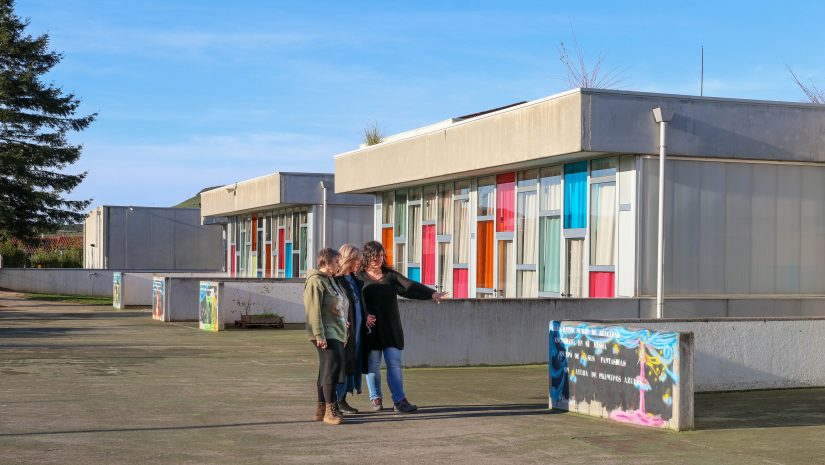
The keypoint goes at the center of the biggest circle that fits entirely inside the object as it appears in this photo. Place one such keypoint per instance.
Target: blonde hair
(349, 254)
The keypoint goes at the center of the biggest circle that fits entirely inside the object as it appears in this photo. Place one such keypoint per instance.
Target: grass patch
(74, 299)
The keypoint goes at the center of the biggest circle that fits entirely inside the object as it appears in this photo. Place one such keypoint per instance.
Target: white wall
(71, 281)
(285, 298)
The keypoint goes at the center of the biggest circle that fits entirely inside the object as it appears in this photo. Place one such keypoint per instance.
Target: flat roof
(581, 123)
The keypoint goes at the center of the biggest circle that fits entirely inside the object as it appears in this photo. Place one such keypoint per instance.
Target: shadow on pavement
(776, 408)
(451, 411)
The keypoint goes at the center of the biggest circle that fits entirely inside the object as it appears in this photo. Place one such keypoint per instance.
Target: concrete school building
(275, 225)
(150, 238)
(558, 197)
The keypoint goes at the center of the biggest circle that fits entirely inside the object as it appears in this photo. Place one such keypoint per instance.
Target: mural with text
(631, 374)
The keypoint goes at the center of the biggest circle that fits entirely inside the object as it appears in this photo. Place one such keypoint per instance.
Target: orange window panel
(386, 241)
(484, 275)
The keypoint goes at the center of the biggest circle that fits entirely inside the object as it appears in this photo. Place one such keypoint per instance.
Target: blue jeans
(392, 357)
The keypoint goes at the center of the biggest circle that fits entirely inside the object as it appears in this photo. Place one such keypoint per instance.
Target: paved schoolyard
(91, 385)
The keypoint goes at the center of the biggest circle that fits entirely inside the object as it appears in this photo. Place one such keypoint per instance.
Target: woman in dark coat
(382, 286)
(356, 322)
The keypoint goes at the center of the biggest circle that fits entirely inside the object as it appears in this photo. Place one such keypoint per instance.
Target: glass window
(527, 213)
(399, 258)
(400, 214)
(429, 203)
(528, 178)
(486, 193)
(304, 255)
(603, 167)
(505, 201)
(549, 250)
(550, 188)
(461, 232)
(387, 201)
(444, 267)
(415, 194)
(526, 283)
(445, 203)
(414, 235)
(575, 195)
(484, 254)
(602, 223)
(386, 242)
(575, 267)
(462, 188)
(505, 264)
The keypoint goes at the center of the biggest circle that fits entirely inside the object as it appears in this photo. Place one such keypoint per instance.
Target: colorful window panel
(386, 241)
(505, 201)
(428, 255)
(484, 255)
(575, 195)
(460, 283)
(602, 284)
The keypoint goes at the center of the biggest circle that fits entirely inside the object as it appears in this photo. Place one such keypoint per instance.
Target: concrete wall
(345, 224)
(136, 289)
(58, 281)
(284, 297)
(281, 296)
(143, 238)
(511, 331)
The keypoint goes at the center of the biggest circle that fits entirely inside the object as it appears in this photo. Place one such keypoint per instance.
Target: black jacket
(381, 298)
(349, 350)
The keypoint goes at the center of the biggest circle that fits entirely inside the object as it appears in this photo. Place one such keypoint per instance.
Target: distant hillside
(195, 201)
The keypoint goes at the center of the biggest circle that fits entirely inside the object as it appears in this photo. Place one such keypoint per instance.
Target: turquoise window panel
(575, 195)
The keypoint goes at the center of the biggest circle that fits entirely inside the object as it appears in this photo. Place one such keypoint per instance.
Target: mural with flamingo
(625, 374)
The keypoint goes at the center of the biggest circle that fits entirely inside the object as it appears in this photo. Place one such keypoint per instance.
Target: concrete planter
(261, 320)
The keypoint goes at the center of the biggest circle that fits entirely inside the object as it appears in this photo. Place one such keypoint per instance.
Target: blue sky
(199, 93)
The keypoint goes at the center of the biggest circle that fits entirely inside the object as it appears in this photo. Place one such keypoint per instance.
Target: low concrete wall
(741, 353)
(77, 281)
(136, 288)
(281, 296)
(70, 281)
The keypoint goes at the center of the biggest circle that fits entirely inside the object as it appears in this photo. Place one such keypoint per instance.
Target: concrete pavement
(91, 385)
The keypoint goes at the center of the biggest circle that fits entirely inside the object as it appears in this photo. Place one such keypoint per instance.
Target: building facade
(559, 198)
(150, 238)
(275, 225)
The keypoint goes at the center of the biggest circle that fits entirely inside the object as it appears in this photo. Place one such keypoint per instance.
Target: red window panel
(268, 261)
(386, 241)
(232, 260)
(602, 284)
(428, 254)
(505, 201)
(281, 249)
(460, 283)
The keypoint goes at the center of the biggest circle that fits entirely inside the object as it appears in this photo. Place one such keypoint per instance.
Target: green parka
(326, 307)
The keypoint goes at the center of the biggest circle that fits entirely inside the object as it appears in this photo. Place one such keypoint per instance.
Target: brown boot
(319, 411)
(330, 417)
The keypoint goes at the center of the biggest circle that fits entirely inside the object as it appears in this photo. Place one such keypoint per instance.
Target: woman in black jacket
(382, 286)
(356, 322)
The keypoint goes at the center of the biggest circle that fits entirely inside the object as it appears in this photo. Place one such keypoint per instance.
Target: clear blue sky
(198, 93)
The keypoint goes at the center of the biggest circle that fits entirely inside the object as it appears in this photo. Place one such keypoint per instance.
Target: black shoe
(403, 406)
(346, 408)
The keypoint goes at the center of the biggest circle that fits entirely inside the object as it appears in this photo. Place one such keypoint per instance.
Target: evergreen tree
(35, 118)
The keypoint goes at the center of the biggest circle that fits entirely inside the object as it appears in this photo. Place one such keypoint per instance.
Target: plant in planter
(250, 318)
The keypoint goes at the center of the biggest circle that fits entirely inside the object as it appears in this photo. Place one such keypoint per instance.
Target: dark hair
(371, 250)
(325, 257)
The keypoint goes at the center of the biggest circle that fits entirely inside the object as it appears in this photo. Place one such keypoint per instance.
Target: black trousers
(331, 369)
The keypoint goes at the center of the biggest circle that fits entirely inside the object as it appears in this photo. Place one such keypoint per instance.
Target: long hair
(371, 250)
(349, 254)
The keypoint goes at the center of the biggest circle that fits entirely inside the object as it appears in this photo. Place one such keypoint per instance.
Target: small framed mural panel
(117, 290)
(630, 375)
(208, 306)
(158, 298)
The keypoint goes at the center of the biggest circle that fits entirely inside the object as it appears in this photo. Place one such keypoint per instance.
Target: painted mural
(158, 298)
(625, 374)
(208, 306)
(117, 289)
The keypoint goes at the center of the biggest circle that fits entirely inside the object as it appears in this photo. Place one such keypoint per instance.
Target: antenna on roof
(702, 74)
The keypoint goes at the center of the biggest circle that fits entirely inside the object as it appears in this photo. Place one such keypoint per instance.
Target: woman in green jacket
(327, 307)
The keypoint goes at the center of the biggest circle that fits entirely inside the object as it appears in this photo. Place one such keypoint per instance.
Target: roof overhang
(583, 122)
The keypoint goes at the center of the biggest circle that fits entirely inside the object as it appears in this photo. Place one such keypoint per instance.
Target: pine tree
(35, 118)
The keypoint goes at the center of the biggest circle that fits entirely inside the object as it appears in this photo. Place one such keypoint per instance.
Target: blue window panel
(288, 257)
(575, 195)
(414, 273)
